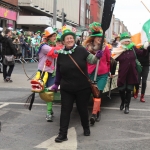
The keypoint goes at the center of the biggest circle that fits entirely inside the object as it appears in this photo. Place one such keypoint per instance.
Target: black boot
(128, 99)
(123, 96)
(122, 106)
(126, 111)
(1, 71)
(86, 132)
(93, 119)
(98, 118)
(60, 138)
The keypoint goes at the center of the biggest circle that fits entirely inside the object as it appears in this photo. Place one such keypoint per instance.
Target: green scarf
(51, 43)
(129, 46)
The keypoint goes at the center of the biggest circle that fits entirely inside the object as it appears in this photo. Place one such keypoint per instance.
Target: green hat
(38, 31)
(55, 29)
(67, 32)
(96, 30)
(125, 37)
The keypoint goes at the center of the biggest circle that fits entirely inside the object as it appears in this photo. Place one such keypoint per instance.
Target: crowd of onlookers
(24, 45)
(26, 42)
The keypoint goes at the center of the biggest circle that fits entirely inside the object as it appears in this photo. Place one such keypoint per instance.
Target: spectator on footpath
(22, 43)
(28, 44)
(17, 45)
(8, 49)
(145, 62)
(1, 37)
(74, 86)
(35, 43)
(39, 35)
(127, 74)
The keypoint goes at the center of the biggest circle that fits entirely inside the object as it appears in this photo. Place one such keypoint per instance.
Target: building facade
(82, 13)
(87, 15)
(110, 31)
(41, 13)
(8, 13)
(95, 10)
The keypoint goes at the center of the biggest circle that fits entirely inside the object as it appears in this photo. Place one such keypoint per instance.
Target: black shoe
(98, 118)
(93, 119)
(87, 132)
(10, 80)
(126, 111)
(60, 138)
(121, 106)
(5, 80)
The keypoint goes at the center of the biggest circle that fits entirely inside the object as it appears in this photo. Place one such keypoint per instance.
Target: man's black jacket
(8, 47)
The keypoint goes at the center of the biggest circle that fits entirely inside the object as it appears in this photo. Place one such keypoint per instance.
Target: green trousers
(49, 107)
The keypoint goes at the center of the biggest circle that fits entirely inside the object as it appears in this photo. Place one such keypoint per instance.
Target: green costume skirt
(101, 80)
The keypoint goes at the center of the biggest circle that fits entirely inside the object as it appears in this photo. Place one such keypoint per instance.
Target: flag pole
(145, 6)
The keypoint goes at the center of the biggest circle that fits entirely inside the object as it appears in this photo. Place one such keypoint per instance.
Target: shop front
(7, 17)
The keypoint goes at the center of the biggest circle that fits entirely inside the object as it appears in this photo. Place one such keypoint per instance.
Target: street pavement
(22, 129)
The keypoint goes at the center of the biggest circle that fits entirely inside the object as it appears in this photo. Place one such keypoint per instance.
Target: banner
(8, 14)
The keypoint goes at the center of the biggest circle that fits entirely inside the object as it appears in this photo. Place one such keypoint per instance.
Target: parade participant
(46, 67)
(74, 86)
(145, 62)
(92, 43)
(127, 74)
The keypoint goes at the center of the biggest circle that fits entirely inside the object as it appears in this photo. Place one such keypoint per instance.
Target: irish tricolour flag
(144, 36)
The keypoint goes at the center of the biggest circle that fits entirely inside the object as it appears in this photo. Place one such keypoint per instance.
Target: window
(87, 13)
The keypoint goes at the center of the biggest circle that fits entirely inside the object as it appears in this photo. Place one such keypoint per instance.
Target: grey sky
(132, 13)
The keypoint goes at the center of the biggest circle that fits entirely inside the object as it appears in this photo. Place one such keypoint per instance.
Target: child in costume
(92, 43)
(46, 69)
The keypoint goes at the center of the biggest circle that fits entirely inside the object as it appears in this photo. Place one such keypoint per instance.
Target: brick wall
(13, 2)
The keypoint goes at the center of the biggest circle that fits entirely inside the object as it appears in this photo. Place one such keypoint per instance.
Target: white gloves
(146, 44)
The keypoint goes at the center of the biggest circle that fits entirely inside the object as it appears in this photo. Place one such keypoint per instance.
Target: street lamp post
(54, 13)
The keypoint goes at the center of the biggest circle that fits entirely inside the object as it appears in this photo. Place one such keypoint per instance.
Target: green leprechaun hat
(125, 37)
(96, 29)
(66, 32)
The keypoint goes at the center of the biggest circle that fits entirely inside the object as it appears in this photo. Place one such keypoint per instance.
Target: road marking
(58, 105)
(71, 144)
(4, 104)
